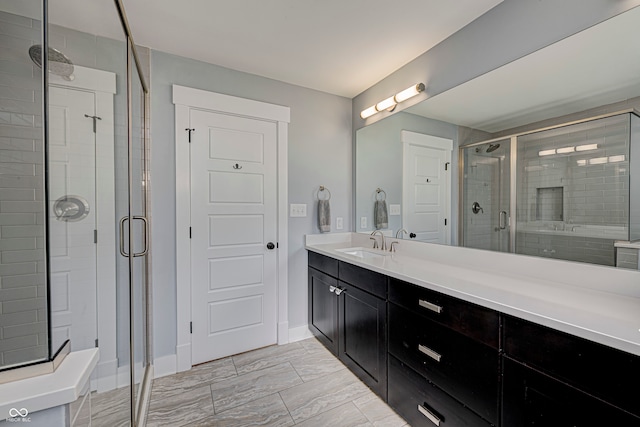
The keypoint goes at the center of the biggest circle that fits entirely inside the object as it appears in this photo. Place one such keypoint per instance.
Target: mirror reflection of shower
(58, 63)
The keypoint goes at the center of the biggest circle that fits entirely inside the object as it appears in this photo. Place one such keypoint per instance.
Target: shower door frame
(511, 219)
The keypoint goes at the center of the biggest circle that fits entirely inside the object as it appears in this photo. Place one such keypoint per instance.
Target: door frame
(436, 143)
(186, 99)
(103, 85)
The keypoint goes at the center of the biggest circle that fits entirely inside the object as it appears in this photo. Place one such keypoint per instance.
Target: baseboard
(106, 374)
(300, 333)
(283, 333)
(165, 365)
(183, 357)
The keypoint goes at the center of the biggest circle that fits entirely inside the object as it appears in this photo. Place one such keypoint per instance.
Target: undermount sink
(362, 252)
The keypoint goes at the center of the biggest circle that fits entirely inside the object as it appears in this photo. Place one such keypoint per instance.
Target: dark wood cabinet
(323, 309)
(348, 314)
(441, 360)
(532, 398)
(422, 403)
(363, 336)
(464, 368)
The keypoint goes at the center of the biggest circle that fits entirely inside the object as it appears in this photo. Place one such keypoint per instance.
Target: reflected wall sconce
(391, 102)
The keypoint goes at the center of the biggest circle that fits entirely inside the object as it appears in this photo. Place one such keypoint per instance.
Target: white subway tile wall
(587, 165)
(23, 314)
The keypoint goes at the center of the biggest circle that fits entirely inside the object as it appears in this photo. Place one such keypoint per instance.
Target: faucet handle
(375, 242)
(392, 247)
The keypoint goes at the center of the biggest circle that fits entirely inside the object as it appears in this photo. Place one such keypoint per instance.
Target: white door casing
(102, 86)
(233, 218)
(426, 187)
(187, 100)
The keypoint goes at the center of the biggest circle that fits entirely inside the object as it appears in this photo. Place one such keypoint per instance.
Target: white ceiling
(598, 66)
(337, 46)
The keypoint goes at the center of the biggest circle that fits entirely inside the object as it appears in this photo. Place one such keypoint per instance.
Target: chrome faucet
(383, 245)
(403, 233)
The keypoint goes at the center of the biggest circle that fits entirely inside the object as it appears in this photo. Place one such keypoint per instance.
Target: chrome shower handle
(503, 220)
(123, 252)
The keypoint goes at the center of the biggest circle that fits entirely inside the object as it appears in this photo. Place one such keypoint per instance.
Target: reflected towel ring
(323, 189)
(384, 194)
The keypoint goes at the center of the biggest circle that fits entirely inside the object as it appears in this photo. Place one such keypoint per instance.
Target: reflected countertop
(601, 304)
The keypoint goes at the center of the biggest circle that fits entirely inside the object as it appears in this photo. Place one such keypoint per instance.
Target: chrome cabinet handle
(430, 415)
(339, 291)
(430, 306)
(432, 354)
(549, 251)
(332, 288)
(145, 251)
(503, 220)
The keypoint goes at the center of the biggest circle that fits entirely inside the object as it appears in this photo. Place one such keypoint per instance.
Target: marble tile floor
(300, 383)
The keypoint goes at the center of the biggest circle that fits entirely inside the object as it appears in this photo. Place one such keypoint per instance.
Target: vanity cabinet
(553, 378)
(348, 314)
(444, 358)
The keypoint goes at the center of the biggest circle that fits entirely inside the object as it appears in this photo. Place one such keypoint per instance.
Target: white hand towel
(324, 216)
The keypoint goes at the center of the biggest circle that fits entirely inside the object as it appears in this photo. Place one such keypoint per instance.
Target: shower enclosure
(562, 192)
(74, 243)
(485, 195)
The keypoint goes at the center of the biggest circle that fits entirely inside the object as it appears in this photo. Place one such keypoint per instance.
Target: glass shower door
(486, 196)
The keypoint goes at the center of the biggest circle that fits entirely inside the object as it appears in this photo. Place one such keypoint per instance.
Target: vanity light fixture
(546, 152)
(587, 147)
(566, 150)
(392, 101)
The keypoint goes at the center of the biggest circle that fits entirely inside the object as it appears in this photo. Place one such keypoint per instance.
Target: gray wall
(319, 154)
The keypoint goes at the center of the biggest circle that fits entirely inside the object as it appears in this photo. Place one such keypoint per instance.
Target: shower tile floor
(295, 384)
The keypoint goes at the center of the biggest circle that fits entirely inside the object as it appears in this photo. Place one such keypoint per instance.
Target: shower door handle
(145, 251)
(503, 220)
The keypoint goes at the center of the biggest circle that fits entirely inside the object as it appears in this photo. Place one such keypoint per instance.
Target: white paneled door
(426, 188)
(233, 234)
(72, 217)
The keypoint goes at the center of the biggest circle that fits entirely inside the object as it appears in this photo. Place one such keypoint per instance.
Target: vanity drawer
(464, 368)
(367, 280)
(323, 263)
(477, 322)
(602, 371)
(421, 403)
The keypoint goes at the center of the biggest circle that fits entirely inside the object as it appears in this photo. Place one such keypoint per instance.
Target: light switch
(339, 224)
(363, 222)
(394, 209)
(298, 210)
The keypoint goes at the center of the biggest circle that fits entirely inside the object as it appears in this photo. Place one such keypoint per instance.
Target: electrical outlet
(339, 224)
(363, 222)
(298, 210)
(394, 209)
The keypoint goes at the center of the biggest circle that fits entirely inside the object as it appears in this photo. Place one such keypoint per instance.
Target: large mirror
(592, 73)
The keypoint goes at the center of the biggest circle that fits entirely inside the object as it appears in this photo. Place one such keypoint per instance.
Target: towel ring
(323, 189)
(384, 194)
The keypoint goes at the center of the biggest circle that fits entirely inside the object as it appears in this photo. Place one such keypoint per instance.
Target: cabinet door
(323, 309)
(363, 340)
(531, 398)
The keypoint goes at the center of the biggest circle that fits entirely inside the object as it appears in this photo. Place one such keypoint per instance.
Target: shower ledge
(61, 387)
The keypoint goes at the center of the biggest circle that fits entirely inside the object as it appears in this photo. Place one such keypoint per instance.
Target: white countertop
(62, 386)
(601, 304)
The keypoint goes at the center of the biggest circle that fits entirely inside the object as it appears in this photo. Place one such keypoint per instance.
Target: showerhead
(59, 64)
(492, 147)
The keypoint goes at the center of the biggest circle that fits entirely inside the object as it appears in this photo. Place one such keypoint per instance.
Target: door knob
(270, 246)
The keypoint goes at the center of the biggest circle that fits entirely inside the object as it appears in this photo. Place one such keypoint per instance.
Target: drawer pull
(432, 354)
(339, 291)
(429, 305)
(430, 415)
(332, 288)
